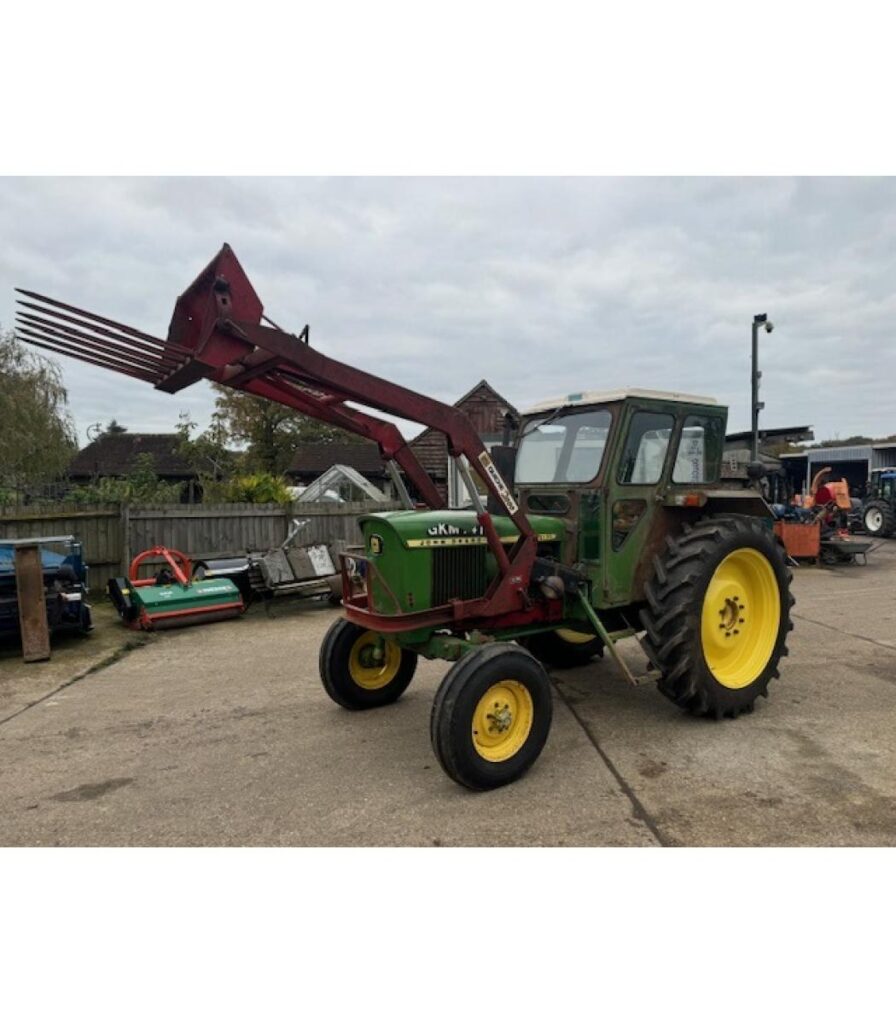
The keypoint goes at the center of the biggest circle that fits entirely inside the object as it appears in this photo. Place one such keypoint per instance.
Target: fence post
(288, 516)
(125, 520)
(33, 628)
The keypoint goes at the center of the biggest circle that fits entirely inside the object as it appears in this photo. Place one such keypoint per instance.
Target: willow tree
(37, 435)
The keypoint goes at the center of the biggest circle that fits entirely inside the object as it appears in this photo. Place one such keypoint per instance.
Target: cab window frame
(674, 431)
(711, 460)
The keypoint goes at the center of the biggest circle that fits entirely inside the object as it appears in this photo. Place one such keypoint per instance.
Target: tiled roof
(319, 456)
(115, 454)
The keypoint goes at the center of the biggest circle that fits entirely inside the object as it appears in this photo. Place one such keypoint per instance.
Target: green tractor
(879, 507)
(612, 522)
(636, 535)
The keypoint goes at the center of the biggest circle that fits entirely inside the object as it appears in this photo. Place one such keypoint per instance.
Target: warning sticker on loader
(498, 481)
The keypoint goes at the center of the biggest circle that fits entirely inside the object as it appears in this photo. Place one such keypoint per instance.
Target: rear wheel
(564, 648)
(718, 615)
(361, 669)
(879, 519)
(491, 716)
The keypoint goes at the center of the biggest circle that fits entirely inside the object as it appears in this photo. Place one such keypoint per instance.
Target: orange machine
(838, 488)
(800, 540)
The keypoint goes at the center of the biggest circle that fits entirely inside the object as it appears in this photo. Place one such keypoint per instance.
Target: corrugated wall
(883, 457)
(847, 453)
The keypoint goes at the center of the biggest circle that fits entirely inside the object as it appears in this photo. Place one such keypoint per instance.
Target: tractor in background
(879, 506)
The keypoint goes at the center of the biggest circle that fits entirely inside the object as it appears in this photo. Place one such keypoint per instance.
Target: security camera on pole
(761, 319)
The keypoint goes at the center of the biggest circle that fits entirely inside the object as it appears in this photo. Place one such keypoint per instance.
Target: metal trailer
(298, 570)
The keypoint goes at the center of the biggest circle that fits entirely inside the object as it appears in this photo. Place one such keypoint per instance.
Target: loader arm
(217, 334)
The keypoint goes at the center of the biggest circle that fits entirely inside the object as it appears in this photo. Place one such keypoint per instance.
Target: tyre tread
(672, 615)
(445, 725)
(333, 668)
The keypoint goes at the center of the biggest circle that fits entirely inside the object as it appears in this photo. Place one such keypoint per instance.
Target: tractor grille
(458, 572)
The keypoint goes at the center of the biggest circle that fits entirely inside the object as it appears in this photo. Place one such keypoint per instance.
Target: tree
(114, 427)
(269, 431)
(207, 453)
(37, 434)
(781, 448)
(846, 442)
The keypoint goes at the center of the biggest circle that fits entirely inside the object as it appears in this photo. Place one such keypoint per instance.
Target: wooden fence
(112, 535)
(99, 528)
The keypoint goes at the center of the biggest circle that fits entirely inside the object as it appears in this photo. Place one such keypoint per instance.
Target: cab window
(565, 447)
(645, 449)
(699, 451)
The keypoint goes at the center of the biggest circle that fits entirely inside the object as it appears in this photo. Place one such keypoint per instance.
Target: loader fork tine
(128, 371)
(123, 328)
(61, 336)
(79, 352)
(90, 331)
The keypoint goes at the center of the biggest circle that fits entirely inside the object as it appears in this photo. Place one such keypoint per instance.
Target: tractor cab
(883, 484)
(619, 469)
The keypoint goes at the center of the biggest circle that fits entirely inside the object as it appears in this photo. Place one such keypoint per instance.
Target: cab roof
(600, 397)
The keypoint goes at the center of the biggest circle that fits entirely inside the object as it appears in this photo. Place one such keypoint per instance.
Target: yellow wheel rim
(741, 617)
(502, 720)
(573, 636)
(374, 661)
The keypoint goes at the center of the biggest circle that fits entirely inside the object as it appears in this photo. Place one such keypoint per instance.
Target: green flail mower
(607, 519)
(170, 596)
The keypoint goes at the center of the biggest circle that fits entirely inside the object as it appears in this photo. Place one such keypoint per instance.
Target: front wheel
(491, 716)
(361, 669)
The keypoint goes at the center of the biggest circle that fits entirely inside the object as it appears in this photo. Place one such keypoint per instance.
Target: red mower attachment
(181, 566)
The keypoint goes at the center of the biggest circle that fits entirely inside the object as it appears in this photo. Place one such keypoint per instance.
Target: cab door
(634, 490)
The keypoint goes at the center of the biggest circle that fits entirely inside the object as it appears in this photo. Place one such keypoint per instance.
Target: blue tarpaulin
(50, 559)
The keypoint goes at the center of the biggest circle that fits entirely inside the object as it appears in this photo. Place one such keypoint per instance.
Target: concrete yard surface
(72, 657)
(222, 735)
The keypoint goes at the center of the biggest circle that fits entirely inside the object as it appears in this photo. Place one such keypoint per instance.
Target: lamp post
(759, 320)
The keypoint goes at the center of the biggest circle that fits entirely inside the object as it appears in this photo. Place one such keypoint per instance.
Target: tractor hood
(451, 527)
(429, 558)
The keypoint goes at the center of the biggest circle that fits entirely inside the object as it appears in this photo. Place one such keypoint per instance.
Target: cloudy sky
(541, 285)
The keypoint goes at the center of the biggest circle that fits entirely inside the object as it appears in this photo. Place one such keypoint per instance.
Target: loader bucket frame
(217, 333)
